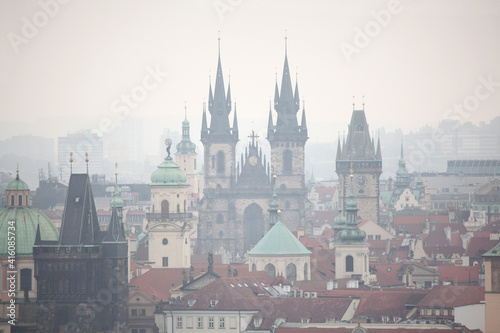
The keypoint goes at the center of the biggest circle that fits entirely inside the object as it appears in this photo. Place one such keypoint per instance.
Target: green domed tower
(169, 222)
(351, 250)
(20, 218)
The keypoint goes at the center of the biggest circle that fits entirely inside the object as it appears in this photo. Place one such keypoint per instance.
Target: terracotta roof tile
(451, 296)
(479, 245)
(459, 274)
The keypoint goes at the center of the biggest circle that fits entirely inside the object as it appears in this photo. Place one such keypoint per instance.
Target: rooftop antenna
(71, 163)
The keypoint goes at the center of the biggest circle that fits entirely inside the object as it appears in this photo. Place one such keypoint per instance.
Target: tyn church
(233, 211)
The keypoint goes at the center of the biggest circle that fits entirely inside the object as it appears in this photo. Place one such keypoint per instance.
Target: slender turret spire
(235, 123)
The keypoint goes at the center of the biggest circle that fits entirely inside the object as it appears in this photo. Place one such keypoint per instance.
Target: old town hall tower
(358, 158)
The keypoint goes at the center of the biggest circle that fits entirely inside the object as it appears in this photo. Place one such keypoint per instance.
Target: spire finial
(286, 46)
(116, 173)
(71, 162)
(363, 102)
(87, 161)
(17, 171)
(351, 172)
(185, 111)
(219, 41)
(353, 97)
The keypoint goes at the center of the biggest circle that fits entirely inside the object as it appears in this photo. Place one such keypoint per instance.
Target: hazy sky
(413, 61)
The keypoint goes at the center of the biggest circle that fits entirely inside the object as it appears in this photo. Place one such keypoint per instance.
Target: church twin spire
(219, 106)
(287, 105)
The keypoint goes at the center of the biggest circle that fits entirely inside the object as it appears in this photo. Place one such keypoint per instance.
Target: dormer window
(213, 303)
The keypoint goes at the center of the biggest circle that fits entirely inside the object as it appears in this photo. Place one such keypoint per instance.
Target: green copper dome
(279, 240)
(27, 220)
(17, 184)
(168, 173)
(186, 146)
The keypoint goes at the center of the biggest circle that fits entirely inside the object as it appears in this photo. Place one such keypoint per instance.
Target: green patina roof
(279, 240)
(494, 252)
(17, 184)
(27, 219)
(168, 173)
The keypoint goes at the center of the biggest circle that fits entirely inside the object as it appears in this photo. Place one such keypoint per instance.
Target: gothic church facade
(237, 192)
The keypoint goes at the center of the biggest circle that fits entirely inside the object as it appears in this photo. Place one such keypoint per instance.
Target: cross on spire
(253, 137)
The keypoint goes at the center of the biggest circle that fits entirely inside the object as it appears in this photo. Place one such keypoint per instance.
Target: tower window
(195, 163)
(20, 200)
(287, 161)
(12, 200)
(221, 159)
(359, 128)
(349, 264)
(165, 261)
(25, 279)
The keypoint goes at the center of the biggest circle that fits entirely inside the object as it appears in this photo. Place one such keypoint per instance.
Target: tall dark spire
(287, 103)
(359, 144)
(303, 124)
(339, 149)
(219, 106)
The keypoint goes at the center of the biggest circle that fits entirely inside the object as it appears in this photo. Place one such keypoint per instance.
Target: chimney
(300, 232)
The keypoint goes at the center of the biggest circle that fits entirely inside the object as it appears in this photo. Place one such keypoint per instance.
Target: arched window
(270, 270)
(359, 128)
(220, 219)
(349, 264)
(306, 272)
(12, 200)
(291, 272)
(20, 200)
(287, 161)
(254, 268)
(178, 208)
(221, 162)
(164, 207)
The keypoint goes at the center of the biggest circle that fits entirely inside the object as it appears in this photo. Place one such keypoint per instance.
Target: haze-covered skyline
(415, 63)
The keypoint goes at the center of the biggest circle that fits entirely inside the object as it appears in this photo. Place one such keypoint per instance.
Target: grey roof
(115, 233)
(359, 146)
(79, 225)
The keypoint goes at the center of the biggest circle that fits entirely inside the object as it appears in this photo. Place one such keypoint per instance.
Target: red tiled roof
(325, 193)
(479, 245)
(446, 251)
(492, 227)
(377, 304)
(459, 274)
(161, 280)
(324, 217)
(451, 296)
(313, 243)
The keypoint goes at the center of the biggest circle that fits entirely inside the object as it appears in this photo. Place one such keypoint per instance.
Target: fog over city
(100, 65)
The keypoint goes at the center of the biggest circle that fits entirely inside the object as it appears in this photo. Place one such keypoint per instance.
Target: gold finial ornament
(351, 171)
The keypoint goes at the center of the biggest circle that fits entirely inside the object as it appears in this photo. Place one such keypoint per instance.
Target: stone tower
(216, 210)
(359, 154)
(82, 276)
(287, 139)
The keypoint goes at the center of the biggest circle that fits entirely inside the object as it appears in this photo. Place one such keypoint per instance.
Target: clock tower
(358, 155)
